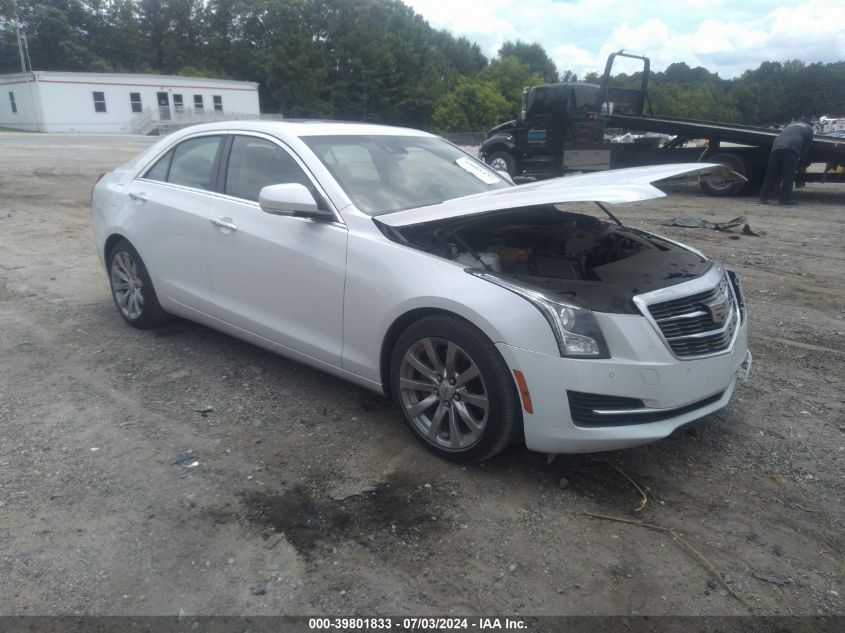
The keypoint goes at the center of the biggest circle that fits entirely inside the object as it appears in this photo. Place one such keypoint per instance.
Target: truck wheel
(735, 162)
(502, 161)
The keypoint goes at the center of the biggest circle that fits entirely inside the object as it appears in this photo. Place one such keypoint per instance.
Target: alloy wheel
(127, 285)
(443, 393)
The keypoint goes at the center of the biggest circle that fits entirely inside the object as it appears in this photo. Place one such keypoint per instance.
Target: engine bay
(541, 242)
(592, 262)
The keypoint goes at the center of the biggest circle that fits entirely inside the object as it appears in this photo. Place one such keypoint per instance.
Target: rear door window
(193, 162)
(190, 164)
(160, 169)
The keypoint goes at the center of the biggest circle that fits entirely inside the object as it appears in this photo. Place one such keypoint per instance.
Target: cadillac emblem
(718, 310)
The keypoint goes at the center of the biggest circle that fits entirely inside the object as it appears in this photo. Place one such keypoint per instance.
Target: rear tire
(736, 163)
(454, 389)
(502, 161)
(132, 289)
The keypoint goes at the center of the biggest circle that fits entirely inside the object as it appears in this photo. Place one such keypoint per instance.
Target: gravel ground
(183, 471)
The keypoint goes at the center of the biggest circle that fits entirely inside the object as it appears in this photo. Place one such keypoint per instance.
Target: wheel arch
(399, 325)
(501, 143)
(111, 240)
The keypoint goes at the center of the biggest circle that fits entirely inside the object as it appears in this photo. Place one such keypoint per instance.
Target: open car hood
(613, 187)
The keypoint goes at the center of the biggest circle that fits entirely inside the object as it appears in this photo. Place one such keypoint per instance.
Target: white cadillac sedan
(391, 258)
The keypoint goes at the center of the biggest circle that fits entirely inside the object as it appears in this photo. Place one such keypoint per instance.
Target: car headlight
(738, 293)
(576, 330)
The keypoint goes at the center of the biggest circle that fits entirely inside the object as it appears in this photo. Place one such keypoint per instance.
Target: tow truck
(561, 129)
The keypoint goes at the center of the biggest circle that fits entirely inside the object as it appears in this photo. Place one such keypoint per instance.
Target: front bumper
(646, 372)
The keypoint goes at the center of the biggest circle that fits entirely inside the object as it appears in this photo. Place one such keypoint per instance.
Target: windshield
(383, 173)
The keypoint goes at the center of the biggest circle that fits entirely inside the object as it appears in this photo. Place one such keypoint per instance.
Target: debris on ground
(777, 580)
(259, 590)
(699, 223)
(187, 460)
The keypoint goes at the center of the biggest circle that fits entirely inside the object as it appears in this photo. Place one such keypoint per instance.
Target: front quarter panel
(386, 280)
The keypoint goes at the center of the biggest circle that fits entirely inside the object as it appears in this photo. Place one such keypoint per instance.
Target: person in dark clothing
(788, 150)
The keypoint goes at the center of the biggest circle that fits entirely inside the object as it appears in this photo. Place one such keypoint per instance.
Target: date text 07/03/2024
(412, 624)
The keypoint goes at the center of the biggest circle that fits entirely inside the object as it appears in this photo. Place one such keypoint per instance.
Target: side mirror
(288, 199)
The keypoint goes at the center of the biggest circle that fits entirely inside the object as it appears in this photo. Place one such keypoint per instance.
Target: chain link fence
(465, 139)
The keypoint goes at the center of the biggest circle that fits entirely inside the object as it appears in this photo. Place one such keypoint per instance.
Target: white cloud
(648, 34)
(727, 38)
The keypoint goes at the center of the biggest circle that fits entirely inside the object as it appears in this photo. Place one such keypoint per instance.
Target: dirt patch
(396, 507)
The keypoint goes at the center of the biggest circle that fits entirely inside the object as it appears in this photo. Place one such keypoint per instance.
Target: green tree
(114, 35)
(746, 94)
(532, 55)
(472, 105)
(56, 35)
(510, 76)
(694, 102)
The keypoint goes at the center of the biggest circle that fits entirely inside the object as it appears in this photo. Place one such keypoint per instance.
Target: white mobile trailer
(118, 103)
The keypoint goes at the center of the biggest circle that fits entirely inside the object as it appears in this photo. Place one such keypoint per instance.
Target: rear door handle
(140, 196)
(223, 224)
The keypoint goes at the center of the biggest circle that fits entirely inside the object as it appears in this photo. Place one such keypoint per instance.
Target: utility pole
(18, 34)
(20, 44)
(26, 50)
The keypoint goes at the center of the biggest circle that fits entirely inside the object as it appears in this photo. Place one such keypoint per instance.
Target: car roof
(303, 127)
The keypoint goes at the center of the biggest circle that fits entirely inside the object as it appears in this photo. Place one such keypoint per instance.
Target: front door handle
(223, 224)
(140, 196)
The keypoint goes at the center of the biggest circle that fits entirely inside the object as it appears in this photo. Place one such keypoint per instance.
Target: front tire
(502, 161)
(132, 289)
(454, 389)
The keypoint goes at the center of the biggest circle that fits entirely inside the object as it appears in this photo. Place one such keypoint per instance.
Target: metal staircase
(151, 121)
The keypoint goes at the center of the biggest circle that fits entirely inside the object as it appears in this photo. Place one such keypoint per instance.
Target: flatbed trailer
(749, 159)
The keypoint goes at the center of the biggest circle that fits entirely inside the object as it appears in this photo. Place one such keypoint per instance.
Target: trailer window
(198, 103)
(99, 101)
(12, 102)
(218, 103)
(178, 104)
(135, 101)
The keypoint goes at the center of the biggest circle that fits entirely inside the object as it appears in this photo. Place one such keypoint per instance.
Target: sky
(724, 36)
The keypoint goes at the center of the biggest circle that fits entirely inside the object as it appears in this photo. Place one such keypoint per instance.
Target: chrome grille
(699, 324)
